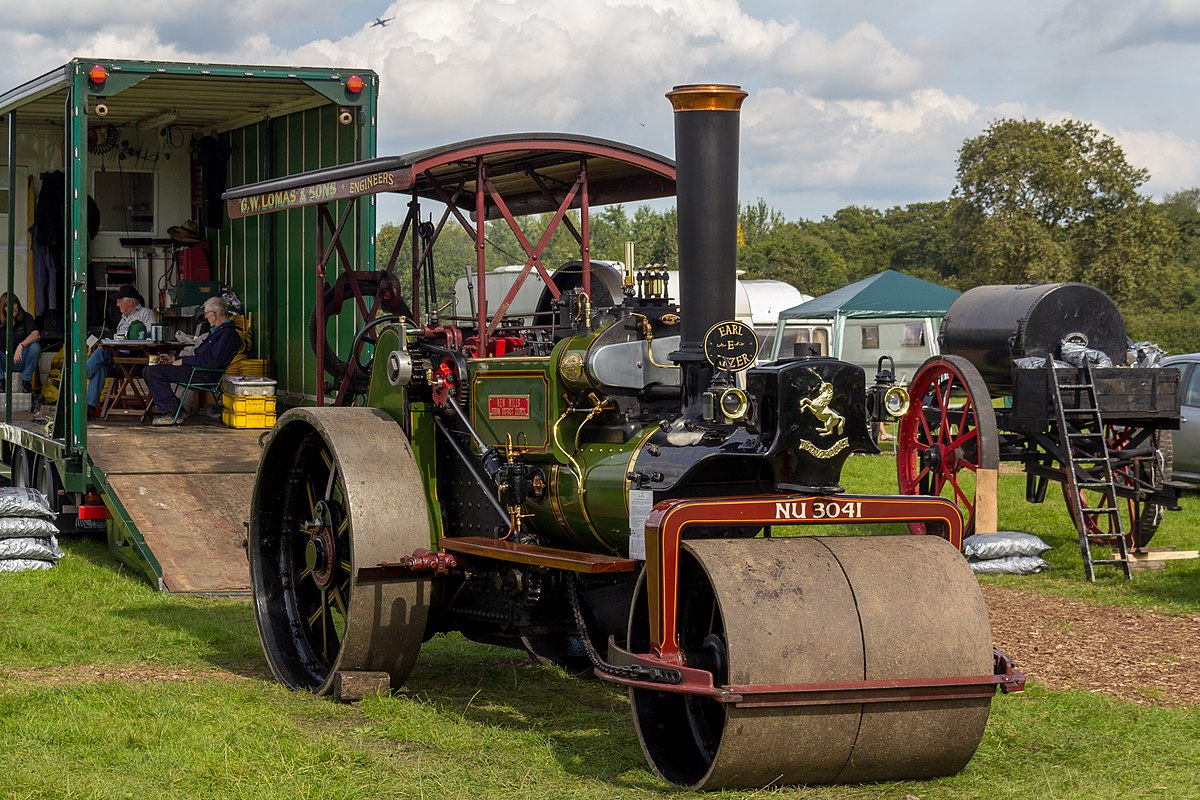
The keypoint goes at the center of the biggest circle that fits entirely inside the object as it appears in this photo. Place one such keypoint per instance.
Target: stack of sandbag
(1007, 552)
(27, 531)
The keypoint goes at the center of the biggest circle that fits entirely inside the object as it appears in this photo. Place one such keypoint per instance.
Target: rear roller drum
(810, 610)
(337, 489)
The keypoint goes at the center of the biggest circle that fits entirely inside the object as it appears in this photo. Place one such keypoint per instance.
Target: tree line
(1033, 202)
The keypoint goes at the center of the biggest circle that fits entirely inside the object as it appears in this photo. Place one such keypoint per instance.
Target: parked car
(1187, 439)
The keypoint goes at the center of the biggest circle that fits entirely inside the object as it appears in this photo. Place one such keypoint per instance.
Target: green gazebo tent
(900, 312)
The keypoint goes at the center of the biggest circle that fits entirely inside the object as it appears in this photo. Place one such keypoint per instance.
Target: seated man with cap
(100, 363)
(214, 353)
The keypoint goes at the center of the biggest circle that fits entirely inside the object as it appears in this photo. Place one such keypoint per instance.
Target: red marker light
(354, 84)
(98, 74)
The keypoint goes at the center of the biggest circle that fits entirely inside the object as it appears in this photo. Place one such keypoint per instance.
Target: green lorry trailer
(149, 146)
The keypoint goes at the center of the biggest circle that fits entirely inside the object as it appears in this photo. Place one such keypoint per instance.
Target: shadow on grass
(216, 631)
(586, 722)
(93, 548)
(219, 632)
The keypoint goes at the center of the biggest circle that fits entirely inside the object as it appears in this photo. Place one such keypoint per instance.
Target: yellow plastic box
(247, 412)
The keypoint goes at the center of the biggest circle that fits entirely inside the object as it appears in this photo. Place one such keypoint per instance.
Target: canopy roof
(148, 95)
(530, 171)
(888, 294)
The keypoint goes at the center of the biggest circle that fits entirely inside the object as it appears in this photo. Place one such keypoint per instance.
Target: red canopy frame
(507, 177)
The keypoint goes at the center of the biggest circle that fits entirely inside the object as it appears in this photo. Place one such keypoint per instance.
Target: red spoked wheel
(947, 436)
(1147, 472)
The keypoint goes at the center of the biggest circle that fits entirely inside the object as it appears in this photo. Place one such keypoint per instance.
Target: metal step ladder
(1089, 468)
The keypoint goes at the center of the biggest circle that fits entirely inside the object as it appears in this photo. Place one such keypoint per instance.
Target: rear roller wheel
(337, 489)
(808, 610)
(947, 437)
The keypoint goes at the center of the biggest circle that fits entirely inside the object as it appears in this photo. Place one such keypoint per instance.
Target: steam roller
(622, 489)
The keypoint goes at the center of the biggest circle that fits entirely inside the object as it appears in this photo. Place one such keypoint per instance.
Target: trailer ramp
(185, 492)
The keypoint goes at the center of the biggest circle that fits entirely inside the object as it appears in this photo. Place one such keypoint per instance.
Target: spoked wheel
(948, 437)
(337, 489)
(810, 610)
(380, 292)
(1140, 518)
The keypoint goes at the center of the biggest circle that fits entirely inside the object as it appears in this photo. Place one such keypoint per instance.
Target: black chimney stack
(706, 182)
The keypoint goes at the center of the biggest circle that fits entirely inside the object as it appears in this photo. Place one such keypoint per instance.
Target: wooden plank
(555, 558)
(1155, 554)
(1154, 559)
(1126, 394)
(987, 517)
(186, 449)
(350, 687)
(193, 523)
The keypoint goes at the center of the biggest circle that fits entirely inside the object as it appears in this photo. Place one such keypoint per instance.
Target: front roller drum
(813, 610)
(338, 489)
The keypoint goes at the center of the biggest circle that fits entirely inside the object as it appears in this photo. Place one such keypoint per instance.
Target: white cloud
(1132, 24)
(853, 104)
(901, 150)
(861, 61)
(1173, 161)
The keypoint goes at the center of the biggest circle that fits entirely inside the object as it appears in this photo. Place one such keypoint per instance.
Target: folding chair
(201, 379)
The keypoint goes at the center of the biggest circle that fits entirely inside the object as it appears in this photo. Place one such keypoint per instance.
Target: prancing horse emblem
(831, 421)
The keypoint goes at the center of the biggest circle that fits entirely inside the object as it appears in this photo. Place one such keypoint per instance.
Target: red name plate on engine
(508, 406)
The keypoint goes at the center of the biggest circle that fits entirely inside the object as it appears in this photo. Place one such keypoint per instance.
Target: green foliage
(923, 245)
(861, 236)
(1183, 210)
(1043, 202)
(110, 690)
(1056, 175)
(797, 256)
(656, 236)
(757, 222)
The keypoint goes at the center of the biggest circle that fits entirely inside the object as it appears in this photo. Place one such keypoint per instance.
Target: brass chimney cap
(707, 97)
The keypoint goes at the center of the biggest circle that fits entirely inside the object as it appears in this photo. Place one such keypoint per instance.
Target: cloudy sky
(853, 103)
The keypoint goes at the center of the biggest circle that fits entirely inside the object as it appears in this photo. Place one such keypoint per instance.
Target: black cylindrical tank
(992, 325)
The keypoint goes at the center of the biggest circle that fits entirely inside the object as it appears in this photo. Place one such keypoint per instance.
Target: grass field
(110, 690)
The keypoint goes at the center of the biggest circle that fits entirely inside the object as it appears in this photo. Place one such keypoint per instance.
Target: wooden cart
(1102, 433)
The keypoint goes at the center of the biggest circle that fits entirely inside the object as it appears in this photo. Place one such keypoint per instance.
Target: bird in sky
(380, 23)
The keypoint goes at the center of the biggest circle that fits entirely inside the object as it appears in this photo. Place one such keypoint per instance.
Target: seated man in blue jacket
(215, 353)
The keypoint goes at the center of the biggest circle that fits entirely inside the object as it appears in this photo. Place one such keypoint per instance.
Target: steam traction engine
(601, 488)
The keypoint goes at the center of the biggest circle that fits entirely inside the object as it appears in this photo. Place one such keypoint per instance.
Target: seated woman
(28, 347)
(213, 353)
